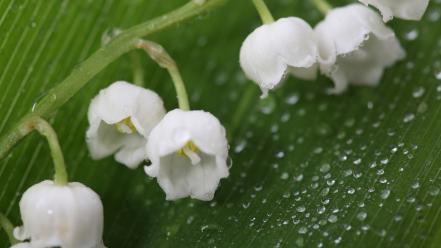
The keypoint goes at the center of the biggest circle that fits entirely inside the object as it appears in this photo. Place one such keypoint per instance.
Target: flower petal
(132, 153)
(67, 216)
(179, 127)
(357, 46)
(120, 101)
(195, 173)
(404, 9)
(271, 49)
(22, 245)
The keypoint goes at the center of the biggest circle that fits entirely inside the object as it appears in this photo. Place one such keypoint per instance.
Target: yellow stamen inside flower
(190, 151)
(126, 126)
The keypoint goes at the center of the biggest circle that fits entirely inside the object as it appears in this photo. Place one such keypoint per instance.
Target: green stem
(163, 59)
(181, 92)
(138, 72)
(80, 76)
(45, 129)
(8, 227)
(263, 11)
(323, 6)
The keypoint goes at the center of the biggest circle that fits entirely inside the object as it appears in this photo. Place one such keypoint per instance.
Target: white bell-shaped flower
(357, 46)
(188, 151)
(22, 245)
(68, 216)
(404, 9)
(121, 118)
(273, 50)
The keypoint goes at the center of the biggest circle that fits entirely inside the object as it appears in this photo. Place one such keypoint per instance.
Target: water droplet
(240, 146)
(298, 178)
(408, 117)
(411, 35)
(332, 218)
(301, 209)
(199, 2)
(190, 219)
(324, 191)
(385, 194)
(258, 188)
(398, 218)
(325, 168)
(347, 173)
(385, 161)
(280, 154)
(415, 185)
(303, 230)
(292, 99)
(109, 34)
(267, 105)
(330, 182)
(438, 76)
(433, 190)
(361, 216)
(418, 92)
(338, 240)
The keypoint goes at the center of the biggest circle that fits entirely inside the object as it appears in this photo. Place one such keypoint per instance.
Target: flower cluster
(68, 216)
(352, 45)
(188, 149)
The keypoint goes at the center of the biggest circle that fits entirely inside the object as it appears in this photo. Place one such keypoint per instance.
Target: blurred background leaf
(358, 170)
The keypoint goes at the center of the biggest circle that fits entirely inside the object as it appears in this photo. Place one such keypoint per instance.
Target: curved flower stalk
(287, 46)
(68, 216)
(188, 151)
(404, 9)
(357, 47)
(121, 118)
(126, 41)
(58, 213)
(7, 226)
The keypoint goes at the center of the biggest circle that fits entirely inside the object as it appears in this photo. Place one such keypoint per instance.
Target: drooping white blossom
(357, 46)
(22, 245)
(69, 216)
(287, 46)
(404, 9)
(188, 151)
(121, 118)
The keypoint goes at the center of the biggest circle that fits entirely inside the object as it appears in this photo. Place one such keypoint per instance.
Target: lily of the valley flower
(22, 245)
(357, 45)
(288, 45)
(188, 151)
(121, 118)
(404, 9)
(68, 216)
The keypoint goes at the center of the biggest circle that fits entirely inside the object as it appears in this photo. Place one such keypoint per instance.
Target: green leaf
(358, 170)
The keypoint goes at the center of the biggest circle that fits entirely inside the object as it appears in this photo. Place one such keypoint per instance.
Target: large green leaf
(357, 170)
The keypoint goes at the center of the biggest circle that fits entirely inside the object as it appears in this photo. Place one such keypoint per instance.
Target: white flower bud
(188, 151)
(288, 45)
(357, 46)
(69, 216)
(404, 9)
(121, 118)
